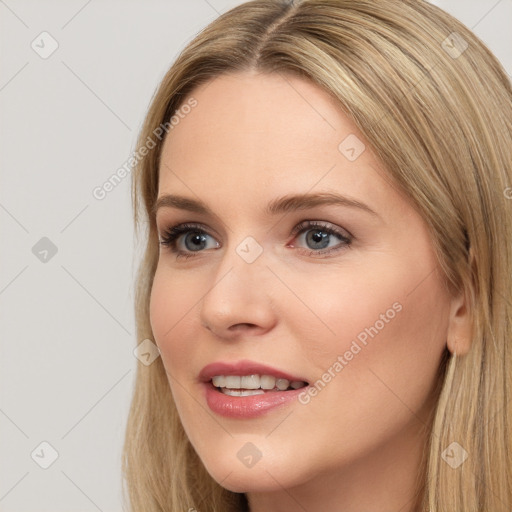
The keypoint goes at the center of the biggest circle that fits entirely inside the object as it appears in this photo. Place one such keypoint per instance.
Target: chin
(249, 480)
(272, 472)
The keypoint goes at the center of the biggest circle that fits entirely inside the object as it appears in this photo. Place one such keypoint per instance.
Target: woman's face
(343, 294)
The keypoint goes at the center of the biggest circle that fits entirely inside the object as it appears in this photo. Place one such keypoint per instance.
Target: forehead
(231, 108)
(253, 132)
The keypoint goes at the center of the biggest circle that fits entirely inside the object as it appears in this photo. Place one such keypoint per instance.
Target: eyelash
(171, 235)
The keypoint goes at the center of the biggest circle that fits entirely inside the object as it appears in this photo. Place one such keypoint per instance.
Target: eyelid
(166, 226)
(310, 224)
(301, 226)
(184, 228)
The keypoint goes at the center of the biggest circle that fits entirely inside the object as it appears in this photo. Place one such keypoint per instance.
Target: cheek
(171, 308)
(356, 304)
(385, 335)
(379, 299)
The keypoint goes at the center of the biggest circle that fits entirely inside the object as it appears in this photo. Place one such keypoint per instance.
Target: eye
(316, 234)
(194, 243)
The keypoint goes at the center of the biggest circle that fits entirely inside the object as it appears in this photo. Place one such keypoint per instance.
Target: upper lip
(244, 367)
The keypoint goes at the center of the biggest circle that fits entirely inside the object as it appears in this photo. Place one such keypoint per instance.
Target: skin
(357, 445)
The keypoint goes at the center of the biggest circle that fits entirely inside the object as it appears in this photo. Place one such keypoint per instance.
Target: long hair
(436, 106)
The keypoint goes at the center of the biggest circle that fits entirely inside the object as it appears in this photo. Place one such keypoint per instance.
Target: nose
(240, 301)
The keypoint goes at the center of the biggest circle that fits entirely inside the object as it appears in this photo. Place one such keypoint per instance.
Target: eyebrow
(279, 205)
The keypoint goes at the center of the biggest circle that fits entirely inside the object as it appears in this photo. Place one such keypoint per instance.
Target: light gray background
(67, 330)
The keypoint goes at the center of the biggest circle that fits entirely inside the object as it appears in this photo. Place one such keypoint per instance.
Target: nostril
(242, 327)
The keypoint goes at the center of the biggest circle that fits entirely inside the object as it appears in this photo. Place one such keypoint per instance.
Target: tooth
(232, 381)
(254, 382)
(282, 384)
(267, 382)
(219, 381)
(250, 382)
(242, 392)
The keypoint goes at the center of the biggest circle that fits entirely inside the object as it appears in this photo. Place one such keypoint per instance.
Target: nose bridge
(244, 260)
(238, 294)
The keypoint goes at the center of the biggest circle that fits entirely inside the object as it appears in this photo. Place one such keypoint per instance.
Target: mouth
(249, 385)
(246, 389)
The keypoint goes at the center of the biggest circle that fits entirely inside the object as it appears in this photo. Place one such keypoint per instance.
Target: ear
(459, 333)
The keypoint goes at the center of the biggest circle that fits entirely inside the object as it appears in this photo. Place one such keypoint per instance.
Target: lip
(246, 406)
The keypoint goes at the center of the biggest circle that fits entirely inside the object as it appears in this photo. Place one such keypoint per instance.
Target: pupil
(318, 236)
(197, 240)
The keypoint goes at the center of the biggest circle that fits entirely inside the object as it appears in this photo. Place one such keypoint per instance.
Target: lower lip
(247, 406)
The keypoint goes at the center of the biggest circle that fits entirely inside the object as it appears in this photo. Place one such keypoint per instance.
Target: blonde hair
(439, 117)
